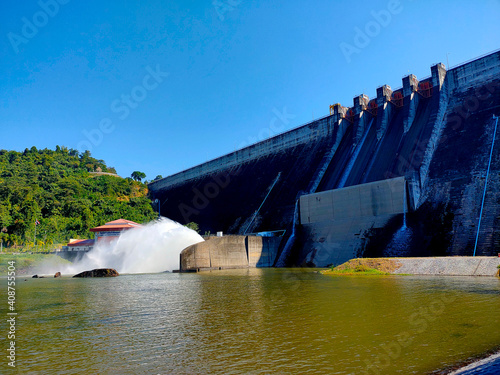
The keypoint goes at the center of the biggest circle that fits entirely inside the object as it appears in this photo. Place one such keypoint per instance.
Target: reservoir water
(257, 321)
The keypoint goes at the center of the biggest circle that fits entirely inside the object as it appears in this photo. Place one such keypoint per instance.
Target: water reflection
(261, 321)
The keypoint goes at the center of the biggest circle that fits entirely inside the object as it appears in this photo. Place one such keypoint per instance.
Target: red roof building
(77, 242)
(103, 233)
(113, 229)
(79, 245)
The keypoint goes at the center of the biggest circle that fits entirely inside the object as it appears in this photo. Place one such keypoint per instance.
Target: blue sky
(160, 86)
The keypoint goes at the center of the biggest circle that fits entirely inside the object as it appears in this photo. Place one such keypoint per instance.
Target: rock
(98, 272)
(34, 277)
(58, 274)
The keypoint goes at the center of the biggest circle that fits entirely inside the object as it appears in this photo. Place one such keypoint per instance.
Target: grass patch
(354, 271)
(365, 266)
(26, 263)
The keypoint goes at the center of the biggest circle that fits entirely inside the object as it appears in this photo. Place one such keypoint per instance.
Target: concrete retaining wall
(230, 252)
(449, 266)
(372, 199)
(335, 222)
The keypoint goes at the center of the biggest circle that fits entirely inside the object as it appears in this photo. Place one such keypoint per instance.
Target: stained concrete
(335, 221)
(230, 252)
(372, 199)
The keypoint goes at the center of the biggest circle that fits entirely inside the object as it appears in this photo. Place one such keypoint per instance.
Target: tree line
(56, 189)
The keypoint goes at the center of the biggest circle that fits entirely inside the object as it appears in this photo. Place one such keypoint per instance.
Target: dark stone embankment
(486, 366)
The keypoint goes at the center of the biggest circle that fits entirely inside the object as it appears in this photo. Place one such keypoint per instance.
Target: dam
(414, 171)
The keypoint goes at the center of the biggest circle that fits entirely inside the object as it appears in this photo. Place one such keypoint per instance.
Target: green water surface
(258, 321)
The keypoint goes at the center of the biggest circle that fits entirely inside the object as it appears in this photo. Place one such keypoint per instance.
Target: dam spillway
(344, 184)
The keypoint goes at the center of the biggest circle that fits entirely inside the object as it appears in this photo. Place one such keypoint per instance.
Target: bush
(361, 268)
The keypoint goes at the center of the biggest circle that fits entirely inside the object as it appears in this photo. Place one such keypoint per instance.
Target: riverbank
(27, 264)
(485, 364)
(430, 266)
(340, 324)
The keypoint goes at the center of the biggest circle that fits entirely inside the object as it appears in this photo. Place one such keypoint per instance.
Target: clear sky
(159, 86)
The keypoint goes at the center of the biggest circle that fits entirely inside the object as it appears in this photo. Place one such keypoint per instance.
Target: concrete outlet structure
(229, 252)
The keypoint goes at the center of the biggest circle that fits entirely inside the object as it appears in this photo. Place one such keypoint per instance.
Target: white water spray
(404, 205)
(401, 239)
(155, 247)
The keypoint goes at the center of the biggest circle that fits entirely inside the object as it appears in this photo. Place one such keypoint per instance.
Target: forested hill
(62, 190)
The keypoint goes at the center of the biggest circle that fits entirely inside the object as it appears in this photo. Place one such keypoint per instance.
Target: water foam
(153, 248)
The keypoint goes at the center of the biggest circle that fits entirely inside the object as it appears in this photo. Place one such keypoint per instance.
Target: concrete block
(410, 85)
(384, 94)
(397, 189)
(360, 103)
(438, 73)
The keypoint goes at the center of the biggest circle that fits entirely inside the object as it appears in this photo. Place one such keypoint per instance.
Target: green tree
(193, 226)
(5, 218)
(55, 188)
(138, 176)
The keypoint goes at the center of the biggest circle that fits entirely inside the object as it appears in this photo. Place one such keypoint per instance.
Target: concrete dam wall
(428, 148)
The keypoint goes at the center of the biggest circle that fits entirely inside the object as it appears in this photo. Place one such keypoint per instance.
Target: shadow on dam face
(428, 232)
